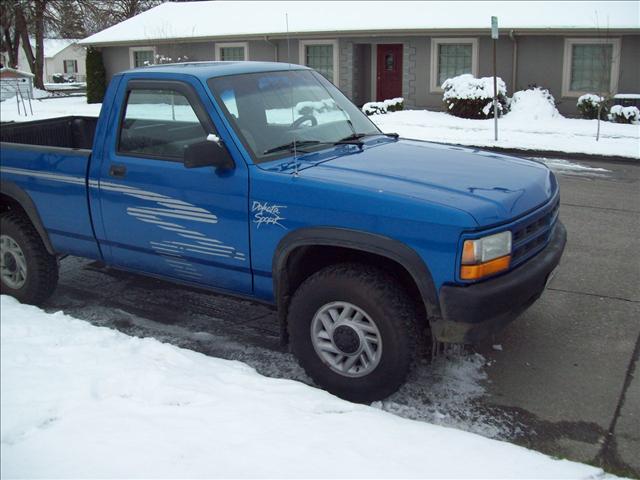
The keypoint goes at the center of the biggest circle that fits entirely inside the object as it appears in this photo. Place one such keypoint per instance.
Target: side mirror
(208, 153)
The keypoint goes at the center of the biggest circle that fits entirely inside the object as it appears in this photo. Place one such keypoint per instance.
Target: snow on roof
(210, 19)
(17, 72)
(53, 46)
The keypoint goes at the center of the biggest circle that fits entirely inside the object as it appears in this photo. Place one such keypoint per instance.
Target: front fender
(356, 240)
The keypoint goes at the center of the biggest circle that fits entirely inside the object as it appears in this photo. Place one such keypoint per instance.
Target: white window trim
(435, 42)
(139, 49)
(566, 67)
(220, 46)
(302, 46)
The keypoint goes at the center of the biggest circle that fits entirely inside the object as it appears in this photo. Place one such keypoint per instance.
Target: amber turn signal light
(481, 270)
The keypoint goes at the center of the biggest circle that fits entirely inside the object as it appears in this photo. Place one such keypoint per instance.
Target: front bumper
(474, 312)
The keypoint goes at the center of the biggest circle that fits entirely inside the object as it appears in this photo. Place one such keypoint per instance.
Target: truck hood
(491, 187)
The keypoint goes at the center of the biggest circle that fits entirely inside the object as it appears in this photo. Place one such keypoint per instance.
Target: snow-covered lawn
(556, 134)
(48, 108)
(85, 401)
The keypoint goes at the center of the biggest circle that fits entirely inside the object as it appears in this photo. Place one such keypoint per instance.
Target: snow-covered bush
(588, 105)
(391, 105)
(535, 103)
(469, 97)
(620, 114)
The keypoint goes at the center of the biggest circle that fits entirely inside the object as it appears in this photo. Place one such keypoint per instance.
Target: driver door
(158, 216)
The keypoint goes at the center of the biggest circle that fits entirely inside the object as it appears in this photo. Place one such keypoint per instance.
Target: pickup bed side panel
(55, 180)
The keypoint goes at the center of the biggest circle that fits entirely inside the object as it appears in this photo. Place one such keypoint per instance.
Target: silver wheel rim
(346, 339)
(13, 265)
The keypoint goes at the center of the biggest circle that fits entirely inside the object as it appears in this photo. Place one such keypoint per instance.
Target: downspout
(274, 45)
(514, 70)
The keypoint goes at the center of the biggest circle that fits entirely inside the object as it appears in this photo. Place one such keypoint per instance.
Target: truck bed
(66, 132)
(49, 160)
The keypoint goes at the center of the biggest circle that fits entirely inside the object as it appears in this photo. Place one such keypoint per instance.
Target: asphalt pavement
(562, 379)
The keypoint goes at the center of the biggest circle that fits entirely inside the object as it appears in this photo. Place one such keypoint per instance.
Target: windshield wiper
(290, 146)
(356, 138)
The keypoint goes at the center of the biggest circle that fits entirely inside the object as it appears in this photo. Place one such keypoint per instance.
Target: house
(380, 50)
(61, 56)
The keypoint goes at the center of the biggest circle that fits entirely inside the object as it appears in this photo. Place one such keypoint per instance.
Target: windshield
(271, 110)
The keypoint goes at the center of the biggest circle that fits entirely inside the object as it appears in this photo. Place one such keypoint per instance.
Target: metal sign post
(494, 36)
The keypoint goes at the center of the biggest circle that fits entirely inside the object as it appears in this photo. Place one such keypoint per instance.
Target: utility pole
(494, 37)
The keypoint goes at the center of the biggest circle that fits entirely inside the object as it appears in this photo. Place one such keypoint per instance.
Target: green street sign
(494, 28)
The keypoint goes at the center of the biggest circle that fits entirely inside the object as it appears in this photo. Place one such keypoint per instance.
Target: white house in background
(61, 55)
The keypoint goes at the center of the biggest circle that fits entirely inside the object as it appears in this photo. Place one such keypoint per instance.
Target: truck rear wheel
(27, 271)
(352, 327)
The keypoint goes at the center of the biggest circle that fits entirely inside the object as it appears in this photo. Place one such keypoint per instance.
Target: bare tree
(605, 58)
(10, 38)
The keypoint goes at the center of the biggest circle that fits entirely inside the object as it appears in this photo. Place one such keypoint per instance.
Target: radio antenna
(295, 151)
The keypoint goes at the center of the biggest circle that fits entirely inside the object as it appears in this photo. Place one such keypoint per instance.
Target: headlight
(485, 256)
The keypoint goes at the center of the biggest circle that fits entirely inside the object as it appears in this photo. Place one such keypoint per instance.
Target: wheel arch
(12, 196)
(299, 247)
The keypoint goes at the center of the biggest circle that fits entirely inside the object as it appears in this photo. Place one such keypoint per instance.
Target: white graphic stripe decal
(165, 208)
(56, 177)
(164, 213)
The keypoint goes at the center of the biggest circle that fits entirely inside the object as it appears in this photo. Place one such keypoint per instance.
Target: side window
(159, 123)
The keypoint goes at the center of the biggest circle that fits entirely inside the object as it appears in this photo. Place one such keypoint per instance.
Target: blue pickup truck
(262, 180)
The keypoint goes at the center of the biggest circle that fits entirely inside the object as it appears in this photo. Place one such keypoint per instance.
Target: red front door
(389, 68)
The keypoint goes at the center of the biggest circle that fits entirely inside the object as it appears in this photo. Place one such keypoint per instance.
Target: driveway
(559, 380)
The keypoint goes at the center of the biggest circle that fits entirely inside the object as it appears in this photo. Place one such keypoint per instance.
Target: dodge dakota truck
(262, 180)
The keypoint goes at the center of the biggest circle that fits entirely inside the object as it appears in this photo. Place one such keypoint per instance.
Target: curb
(556, 154)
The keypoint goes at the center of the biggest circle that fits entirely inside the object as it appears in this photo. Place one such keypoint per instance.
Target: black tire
(378, 294)
(42, 267)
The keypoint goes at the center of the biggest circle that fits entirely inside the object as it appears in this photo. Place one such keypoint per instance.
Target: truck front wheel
(27, 271)
(353, 329)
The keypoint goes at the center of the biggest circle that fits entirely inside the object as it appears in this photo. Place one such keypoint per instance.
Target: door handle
(117, 171)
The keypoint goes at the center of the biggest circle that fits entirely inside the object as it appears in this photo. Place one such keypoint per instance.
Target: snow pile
(85, 401)
(533, 104)
(572, 168)
(620, 114)
(390, 105)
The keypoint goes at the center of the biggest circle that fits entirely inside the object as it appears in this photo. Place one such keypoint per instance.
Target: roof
(20, 73)
(206, 70)
(219, 19)
(53, 46)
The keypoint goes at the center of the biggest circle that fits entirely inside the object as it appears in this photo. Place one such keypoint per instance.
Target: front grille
(532, 235)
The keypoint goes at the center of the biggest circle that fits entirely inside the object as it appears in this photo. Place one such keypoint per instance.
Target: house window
(451, 57)
(232, 52)
(235, 54)
(70, 66)
(141, 57)
(322, 56)
(590, 66)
